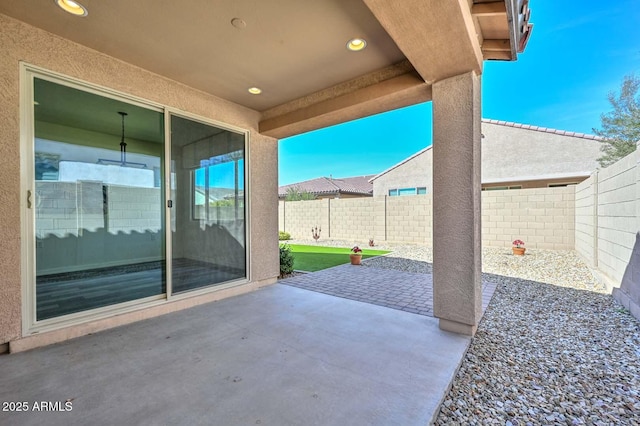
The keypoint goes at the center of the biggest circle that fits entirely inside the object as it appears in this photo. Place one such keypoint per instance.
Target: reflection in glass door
(208, 205)
(98, 202)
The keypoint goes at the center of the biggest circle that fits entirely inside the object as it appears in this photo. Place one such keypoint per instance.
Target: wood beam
(404, 90)
(497, 8)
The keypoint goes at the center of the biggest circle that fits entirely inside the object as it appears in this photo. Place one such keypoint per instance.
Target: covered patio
(216, 84)
(280, 355)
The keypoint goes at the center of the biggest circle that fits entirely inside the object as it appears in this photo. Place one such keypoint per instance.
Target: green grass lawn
(315, 258)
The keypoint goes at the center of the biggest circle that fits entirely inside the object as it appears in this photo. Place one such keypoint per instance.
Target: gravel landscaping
(552, 347)
(546, 354)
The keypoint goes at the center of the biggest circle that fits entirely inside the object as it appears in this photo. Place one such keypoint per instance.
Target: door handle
(29, 199)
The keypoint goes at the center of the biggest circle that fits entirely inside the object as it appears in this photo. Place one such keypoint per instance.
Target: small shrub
(286, 260)
(282, 236)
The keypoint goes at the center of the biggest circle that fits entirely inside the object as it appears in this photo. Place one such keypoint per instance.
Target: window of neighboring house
(501, 188)
(408, 191)
(560, 185)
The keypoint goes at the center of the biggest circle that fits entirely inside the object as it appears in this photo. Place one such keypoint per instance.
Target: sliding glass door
(208, 209)
(98, 201)
(122, 211)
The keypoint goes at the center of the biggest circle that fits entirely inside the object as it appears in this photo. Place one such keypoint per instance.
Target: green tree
(296, 194)
(621, 127)
(222, 203)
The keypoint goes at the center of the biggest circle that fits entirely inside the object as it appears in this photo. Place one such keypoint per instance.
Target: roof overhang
(296, 51)
(550, 176)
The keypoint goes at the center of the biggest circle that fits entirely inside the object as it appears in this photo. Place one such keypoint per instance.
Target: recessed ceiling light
(255, 90)
(356, 44)
(72, 7)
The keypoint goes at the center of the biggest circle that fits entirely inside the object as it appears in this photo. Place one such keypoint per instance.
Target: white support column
(457, 250)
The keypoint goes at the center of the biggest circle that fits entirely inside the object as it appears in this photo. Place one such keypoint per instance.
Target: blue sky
(579, 51)
(222, 175)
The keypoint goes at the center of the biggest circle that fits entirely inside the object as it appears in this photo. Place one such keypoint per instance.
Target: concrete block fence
(543, 218)
(68, 208)
(608, 217)
(608, 228)
(599, 219)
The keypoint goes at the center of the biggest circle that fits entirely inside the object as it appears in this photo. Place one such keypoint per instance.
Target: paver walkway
(405, 291)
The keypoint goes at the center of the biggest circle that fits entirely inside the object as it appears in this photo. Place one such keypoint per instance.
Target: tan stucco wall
(416, 171)
(457, 262)
(21, 42)
(510, 156)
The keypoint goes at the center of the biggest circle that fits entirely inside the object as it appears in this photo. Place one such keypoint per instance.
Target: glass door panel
(208, 213)
(99, 210)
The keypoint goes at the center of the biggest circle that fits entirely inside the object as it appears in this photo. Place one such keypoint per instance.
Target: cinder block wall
(74, 233)
(613, 193)
(586, 219)
(301, 216)
(66, 208)
(281, 207)
(409, 219)
(134, 209)
(356, 218)
(56, 206)
(541, 217)
(617, 223)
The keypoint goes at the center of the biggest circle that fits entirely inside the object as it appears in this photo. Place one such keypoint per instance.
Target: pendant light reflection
(123, 151)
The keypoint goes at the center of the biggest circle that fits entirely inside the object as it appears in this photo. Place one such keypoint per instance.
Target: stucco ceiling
(289, 48)
(294, 50)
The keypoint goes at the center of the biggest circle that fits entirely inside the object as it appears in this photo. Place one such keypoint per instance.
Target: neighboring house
(514, 156)
(328, 187)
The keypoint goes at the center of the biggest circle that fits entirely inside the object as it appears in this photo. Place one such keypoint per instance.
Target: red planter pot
(518, 251)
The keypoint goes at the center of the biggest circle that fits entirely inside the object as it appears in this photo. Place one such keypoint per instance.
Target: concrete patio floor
(278, 356)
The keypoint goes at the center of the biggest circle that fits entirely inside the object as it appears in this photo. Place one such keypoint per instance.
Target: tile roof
(541, 129)
(327, 185)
